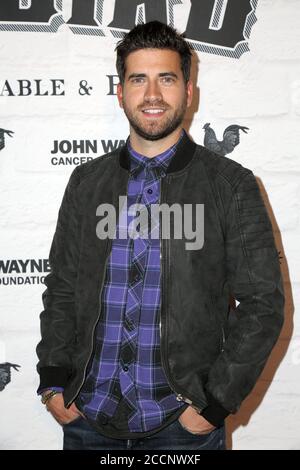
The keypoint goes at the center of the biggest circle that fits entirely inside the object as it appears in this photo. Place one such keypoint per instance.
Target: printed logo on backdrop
(5, 373)
(50, 87)
(76, 152)
(3, 133)
(19, 272)
(231, 138)
(219, 27)
(66, 151)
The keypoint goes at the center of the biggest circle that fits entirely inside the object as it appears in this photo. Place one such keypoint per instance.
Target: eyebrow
(142, 75)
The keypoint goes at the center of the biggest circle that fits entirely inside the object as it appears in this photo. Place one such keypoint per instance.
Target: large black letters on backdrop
(15, 10)
(213, 26)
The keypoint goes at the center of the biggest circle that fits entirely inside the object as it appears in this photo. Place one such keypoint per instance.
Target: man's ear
(120, 94)
(190, 88)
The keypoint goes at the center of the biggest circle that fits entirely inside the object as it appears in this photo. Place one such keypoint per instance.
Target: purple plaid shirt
(127, 360)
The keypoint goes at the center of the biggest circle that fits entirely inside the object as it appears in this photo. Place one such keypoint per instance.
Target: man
(139, 347)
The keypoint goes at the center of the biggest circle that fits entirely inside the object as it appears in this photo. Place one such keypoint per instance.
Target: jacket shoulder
(93, 166)
(219, 166)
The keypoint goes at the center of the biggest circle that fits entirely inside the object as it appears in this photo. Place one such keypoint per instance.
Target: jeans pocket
(194, 433)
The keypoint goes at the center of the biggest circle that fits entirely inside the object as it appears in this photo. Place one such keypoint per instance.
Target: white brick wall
(261, 90)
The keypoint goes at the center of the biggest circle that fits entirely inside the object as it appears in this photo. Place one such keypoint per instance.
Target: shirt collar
(160, 162)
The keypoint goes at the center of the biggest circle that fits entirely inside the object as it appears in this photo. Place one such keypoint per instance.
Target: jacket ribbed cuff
(53, 377)
(214, 413)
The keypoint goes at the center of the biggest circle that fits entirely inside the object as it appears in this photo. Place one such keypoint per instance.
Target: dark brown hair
(153, 35)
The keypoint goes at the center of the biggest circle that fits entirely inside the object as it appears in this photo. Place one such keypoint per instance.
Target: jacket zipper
(223, 338)
(179, 396)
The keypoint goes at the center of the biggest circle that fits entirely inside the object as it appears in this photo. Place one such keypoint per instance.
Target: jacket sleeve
(254, 280)
(57, 320)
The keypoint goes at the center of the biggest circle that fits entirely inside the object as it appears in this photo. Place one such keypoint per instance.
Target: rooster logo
(2, 137)
(5, 374)
(231, 138)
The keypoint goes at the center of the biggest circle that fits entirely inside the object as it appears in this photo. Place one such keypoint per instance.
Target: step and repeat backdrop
(58, 109)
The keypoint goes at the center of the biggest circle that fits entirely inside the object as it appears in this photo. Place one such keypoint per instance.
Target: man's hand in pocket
(195, 423)
(57, 408)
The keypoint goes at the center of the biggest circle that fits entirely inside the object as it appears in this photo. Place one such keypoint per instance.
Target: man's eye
(167, 79)
(137, 80)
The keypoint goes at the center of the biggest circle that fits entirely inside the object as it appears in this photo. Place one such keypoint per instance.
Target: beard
(157, 128)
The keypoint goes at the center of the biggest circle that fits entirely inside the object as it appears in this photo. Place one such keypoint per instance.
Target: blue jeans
(79, 435)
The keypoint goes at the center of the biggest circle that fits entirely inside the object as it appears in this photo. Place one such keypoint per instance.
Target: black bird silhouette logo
(5, 373)
(231, 138)
(2, 137)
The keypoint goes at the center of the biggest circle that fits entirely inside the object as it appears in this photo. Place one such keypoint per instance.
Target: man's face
(154, 95)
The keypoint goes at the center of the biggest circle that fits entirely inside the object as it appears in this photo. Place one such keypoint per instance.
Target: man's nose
(153, 91)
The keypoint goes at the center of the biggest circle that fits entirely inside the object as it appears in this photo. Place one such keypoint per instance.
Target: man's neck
(150, 148)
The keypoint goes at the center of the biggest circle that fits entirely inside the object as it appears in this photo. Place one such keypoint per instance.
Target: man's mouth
(153, 112)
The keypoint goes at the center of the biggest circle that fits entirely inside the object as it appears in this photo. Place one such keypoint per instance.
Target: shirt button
(149, 191)
(125, 368)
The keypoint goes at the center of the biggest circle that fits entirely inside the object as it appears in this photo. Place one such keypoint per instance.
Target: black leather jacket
(212, 355)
